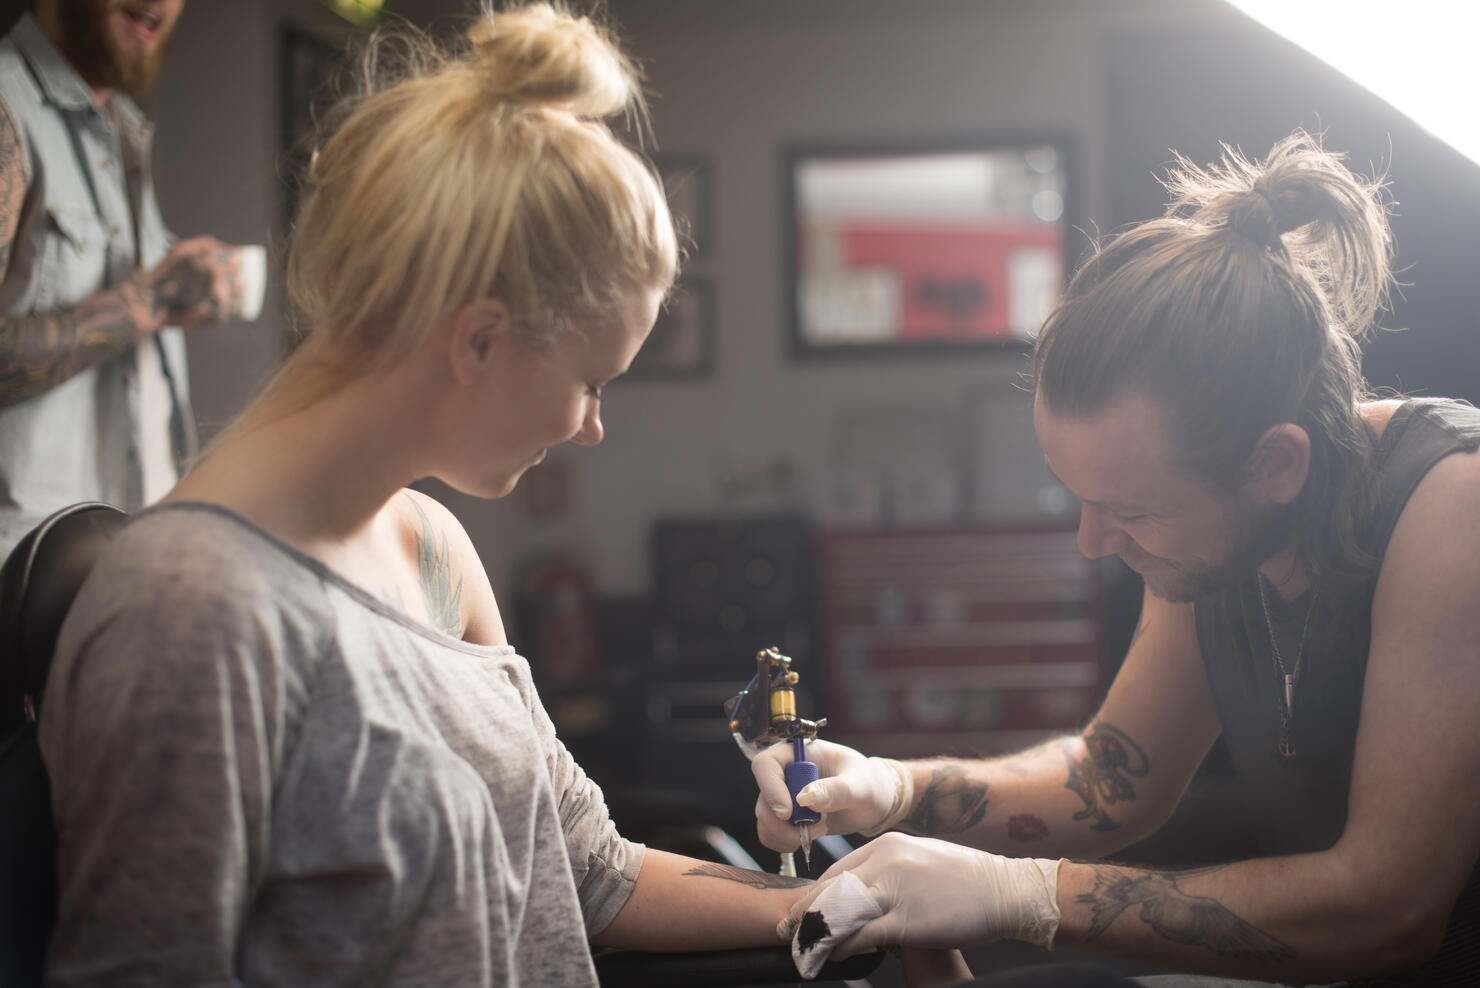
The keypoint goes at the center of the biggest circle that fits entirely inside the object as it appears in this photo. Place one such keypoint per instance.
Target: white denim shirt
(115, 431)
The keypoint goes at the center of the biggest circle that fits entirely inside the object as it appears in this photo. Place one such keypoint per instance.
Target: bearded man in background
(94, 293)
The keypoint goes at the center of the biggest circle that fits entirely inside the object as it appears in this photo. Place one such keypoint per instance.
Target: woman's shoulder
(453, 579)
(200, 562)
(185, 538)
(185, 595)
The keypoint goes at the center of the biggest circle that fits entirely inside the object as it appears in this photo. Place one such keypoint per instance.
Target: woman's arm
(682, 903)
(164, 722)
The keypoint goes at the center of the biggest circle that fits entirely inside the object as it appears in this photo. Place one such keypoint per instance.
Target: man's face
(1184, 538)
(117, 44)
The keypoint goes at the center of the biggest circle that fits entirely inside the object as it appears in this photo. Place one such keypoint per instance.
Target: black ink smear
(812, 929)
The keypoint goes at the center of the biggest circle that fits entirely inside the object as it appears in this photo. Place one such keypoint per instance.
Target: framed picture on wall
(681, 344)
(686, 180)
(307, 64)
(925, 247)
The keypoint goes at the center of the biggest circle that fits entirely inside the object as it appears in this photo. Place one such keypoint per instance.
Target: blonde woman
(288, 740)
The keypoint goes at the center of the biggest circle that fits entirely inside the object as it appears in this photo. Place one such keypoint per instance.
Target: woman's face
(541, 399)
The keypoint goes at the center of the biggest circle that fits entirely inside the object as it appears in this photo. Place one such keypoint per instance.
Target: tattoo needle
(798, 775)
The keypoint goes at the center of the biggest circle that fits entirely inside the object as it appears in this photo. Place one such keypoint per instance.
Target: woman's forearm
(682, 903)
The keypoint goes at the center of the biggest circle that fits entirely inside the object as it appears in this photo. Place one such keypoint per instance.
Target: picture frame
(926, 247)
(681, 344)
(686, 182)
(308, 63)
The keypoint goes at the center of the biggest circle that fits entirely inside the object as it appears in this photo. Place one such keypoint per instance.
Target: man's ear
(1280, 464)
(478, 334)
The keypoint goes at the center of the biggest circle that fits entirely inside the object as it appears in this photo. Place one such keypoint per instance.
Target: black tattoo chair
(38, 582)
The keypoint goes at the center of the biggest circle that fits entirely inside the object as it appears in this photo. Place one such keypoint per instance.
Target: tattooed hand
(198, 283)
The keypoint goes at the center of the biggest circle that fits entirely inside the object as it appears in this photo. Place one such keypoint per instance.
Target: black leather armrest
(716, 968)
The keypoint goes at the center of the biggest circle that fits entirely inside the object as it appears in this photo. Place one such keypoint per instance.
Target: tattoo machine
(765, 713)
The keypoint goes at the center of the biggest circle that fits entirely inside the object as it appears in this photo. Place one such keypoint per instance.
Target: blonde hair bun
(537, 55)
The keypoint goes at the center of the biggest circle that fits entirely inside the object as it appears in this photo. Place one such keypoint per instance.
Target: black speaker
(723, 589)
(734, 577)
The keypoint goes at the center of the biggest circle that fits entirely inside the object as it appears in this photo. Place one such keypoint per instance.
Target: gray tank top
(1299, 804)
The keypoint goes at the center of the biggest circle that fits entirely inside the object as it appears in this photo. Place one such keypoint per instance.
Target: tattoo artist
(1311, 559)
(93, 297)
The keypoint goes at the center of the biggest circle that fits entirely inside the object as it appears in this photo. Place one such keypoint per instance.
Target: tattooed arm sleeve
(1095, 792)
(1166, 910)
(1295, 919)
(40, 351)
(1066, 797)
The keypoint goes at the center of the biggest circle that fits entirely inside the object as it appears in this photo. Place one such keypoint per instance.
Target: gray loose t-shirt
(262, 774)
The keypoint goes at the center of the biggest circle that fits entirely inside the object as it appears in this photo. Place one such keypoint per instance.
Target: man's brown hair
(1243, 307)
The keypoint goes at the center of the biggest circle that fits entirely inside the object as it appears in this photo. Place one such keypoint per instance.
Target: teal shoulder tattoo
(1103, 776)
(433, 559)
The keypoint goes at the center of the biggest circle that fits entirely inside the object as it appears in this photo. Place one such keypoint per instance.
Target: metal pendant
(1286, 749)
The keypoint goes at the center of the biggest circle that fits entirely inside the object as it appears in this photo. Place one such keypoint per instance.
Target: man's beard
(90, 48)
(1260, 534)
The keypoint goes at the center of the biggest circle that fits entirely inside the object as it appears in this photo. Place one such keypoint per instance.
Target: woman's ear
(1280, 465)
(478, 332)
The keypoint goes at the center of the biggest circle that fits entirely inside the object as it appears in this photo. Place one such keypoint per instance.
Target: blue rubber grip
(798, 774)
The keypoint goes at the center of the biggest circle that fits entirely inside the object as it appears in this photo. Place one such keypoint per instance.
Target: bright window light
(1419, 55)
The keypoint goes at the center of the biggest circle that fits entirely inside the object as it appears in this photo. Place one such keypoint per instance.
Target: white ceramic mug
(254, 280)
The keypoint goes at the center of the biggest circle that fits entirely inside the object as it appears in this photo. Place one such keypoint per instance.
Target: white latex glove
(853, 792)
(932, 893)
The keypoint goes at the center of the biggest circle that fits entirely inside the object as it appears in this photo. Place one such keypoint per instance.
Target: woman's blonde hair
(477, 170)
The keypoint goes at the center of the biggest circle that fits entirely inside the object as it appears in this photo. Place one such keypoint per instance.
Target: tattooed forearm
(38, 352)
(1099, 777)
(1193, 920)
(41, 351)
(744, 876)
(952, 803)
(1025, 828)
(12, 183)
(443, 600)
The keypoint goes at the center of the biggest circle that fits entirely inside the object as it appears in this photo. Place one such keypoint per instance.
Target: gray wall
(735, 83)
(216, 167)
